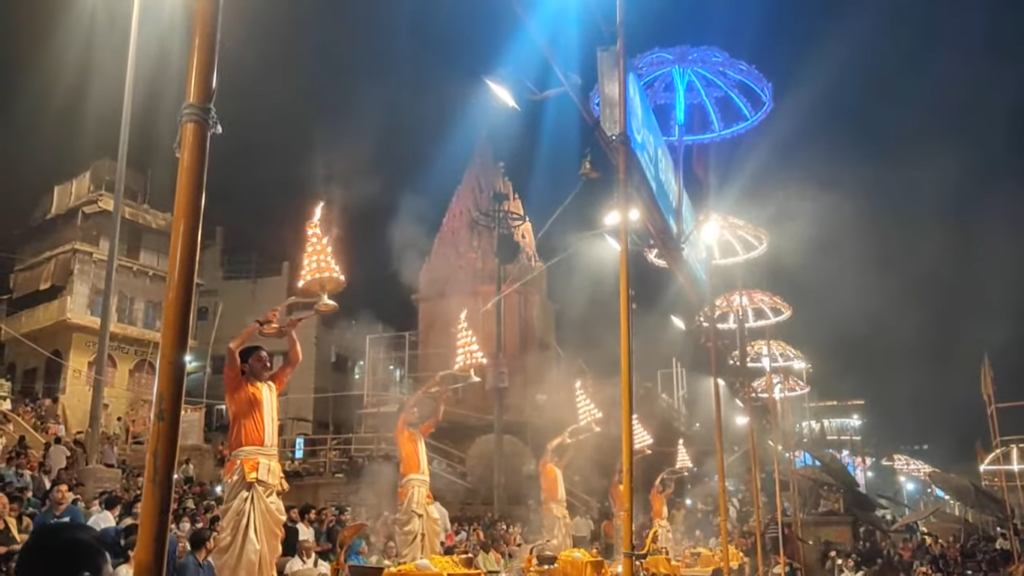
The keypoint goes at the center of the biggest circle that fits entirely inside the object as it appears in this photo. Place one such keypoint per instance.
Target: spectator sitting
(197, 561)
(59, 509)
(108, 517)
(306, 559)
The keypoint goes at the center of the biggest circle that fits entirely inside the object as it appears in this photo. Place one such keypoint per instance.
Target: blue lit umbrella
(700, 95)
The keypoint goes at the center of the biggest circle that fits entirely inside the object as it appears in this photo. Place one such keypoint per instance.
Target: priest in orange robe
(660, 492)
(554, 514)
(418, 526)
(252, 518)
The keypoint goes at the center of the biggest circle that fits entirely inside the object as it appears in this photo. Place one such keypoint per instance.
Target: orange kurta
(617, 495)
(252, 410)
(412, 450)
(659, 510)
(552, 488)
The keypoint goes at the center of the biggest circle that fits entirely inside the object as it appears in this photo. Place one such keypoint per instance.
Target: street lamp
(502, 93)
(106, 300)
(614, 217)
(678, 322)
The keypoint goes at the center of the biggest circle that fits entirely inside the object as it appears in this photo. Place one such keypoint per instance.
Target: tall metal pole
(625, 310)
(162, 450)
(786, 422)
(723, 505)
(209, 355)
(499, 347)
(107, 300)
(778, 481)
(755, 485)
(755, 465)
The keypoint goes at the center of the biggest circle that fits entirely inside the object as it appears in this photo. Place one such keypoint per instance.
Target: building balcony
(37, 318)
(61, 311)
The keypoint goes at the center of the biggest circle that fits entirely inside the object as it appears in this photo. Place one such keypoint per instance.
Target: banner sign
(650, 149)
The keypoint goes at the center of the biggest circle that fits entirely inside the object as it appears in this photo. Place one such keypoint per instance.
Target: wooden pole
(162, 449)
(625, 303)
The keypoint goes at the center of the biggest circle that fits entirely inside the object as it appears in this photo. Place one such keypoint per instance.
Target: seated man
(306, 562)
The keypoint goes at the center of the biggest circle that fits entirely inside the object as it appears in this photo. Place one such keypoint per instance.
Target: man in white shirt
(307, 515)
(306, 559)
(57, 457)
(108, 517)
(108, 453)
(582, 529)
(187, 472)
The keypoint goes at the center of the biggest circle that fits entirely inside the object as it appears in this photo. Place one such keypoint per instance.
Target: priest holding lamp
(418, 526)
(252, 518)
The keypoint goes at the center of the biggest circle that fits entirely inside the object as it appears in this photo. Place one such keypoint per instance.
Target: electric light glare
(502, 93)
(710, 231)
(678, 322)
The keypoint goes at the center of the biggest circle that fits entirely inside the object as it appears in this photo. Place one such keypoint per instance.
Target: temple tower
(460, 274)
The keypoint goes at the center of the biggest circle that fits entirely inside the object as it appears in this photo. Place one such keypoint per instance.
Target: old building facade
(53, 309)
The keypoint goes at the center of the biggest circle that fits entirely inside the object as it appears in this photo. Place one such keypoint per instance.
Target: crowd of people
(312, 537)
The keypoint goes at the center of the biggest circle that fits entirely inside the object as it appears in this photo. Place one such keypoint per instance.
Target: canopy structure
(904, 464)
(1009, 460)
(732, 240)
(780, 386)
(699, 93)
(771, 353)
(758, 309)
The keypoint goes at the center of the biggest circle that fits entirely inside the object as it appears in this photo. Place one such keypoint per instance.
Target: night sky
(888, 173)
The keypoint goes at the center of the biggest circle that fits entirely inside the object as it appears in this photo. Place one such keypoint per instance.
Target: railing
(332, 455)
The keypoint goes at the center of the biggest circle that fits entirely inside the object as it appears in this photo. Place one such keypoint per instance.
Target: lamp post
(106, 301)
(504, 220)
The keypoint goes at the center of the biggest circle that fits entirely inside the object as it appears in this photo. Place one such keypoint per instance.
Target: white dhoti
(557, 526)
(418, 527)
(252, 518)
(665, 536)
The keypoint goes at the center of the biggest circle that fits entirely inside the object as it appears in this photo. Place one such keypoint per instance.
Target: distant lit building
(835, 426)
(56, 288)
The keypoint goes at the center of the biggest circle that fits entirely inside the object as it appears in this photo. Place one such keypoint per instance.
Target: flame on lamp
(467, 351)
(587, 411)
(682, 457)
(641, 439)
(320, 272)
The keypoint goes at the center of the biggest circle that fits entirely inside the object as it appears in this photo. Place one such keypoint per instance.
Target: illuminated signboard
(650, 149)
(694, 250)
(649, 146)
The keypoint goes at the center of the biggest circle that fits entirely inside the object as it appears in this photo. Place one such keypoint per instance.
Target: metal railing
(334, 455)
